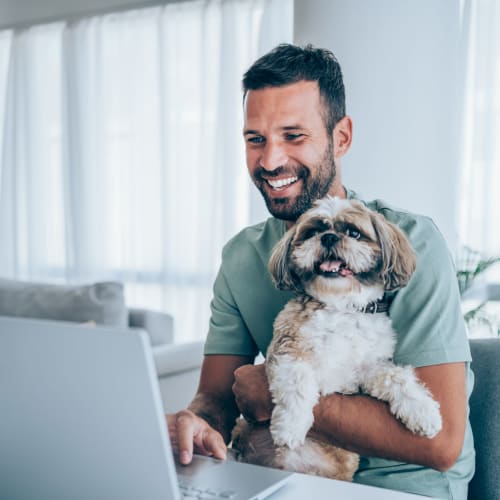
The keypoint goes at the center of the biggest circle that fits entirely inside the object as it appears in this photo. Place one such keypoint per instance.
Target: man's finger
(213, 442)
(172, 430)
(185, 425)
(235, 388)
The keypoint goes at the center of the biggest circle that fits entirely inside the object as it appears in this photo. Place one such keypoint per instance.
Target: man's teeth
(279, 183)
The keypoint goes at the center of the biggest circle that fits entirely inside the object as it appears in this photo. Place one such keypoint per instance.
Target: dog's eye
(353, 233)
(309, 233)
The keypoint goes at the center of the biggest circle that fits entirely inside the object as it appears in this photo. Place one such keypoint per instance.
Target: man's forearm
(219, 412)
(365, 425)
(214, 401)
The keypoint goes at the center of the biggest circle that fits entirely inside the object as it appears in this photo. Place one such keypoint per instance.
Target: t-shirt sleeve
(227, 332)
(426, 314)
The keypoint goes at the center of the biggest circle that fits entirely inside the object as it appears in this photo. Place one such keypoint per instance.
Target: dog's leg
(295, 392)
(408, 399)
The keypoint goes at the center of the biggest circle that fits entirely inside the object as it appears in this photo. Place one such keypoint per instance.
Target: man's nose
(273, 156)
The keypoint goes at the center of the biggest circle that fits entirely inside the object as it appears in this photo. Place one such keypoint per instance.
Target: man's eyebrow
(250, 132)
(293, 127)
(285, 128)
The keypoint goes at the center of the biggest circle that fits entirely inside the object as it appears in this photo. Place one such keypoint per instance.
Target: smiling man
(296, 131)
(290, 154)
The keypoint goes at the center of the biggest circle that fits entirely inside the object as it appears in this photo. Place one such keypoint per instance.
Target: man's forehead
(300, 100)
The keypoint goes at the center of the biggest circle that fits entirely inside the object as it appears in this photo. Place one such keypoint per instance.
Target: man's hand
(188, 431)
(214, 401)
(251, 392)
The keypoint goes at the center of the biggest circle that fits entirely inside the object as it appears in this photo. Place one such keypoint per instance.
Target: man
(296, 132)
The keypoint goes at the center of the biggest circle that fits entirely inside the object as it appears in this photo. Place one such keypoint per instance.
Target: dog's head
(341, 247)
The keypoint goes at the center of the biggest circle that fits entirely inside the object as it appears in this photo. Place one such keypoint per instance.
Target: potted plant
(471, 265)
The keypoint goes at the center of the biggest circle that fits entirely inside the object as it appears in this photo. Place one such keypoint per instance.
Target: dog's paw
(421, 416)
(289, 439)
(287, 430)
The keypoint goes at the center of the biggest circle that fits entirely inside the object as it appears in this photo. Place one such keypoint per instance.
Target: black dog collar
(380, 306)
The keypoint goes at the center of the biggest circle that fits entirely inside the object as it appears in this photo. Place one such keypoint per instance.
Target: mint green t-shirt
(425, 314)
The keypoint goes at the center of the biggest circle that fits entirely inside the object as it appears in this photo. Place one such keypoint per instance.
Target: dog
(339, 258)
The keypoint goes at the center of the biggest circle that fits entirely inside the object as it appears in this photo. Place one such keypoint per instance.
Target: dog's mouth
(333, 269)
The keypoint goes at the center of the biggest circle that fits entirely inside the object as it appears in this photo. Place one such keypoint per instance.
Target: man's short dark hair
(287, 64)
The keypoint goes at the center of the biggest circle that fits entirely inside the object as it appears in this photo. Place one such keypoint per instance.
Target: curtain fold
(121, 153)
(479, 212)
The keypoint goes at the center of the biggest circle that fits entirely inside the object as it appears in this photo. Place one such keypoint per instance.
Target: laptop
(81, 418)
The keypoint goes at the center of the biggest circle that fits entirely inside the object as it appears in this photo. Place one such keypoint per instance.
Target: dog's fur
(337, 258)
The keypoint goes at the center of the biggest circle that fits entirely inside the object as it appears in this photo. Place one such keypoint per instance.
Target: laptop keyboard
(200, 493)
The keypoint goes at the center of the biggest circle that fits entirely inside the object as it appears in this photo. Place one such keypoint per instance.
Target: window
(122, 157)
(480, 186)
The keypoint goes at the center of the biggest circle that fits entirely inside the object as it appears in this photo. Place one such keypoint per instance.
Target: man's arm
(205, 426)
(365, 425)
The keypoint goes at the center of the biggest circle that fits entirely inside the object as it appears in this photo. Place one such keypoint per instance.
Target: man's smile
(281, 184)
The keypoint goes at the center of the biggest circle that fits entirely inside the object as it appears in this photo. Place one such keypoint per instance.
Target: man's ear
(342, 137)
(279, 263)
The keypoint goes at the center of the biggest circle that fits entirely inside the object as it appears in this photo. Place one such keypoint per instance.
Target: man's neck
(336, 190)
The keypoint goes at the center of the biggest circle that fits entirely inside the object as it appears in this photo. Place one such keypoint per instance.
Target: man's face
(290, 156)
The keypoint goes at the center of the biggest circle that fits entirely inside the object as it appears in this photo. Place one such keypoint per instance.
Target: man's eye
(353, 233)
(256, 139)
(292, 137)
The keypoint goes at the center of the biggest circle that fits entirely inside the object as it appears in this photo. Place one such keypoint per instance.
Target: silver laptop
(81, 418)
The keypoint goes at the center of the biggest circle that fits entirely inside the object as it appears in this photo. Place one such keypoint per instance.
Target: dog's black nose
(329, 239)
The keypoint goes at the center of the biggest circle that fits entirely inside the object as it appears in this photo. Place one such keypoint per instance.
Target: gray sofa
(484, 418)
(178, 365)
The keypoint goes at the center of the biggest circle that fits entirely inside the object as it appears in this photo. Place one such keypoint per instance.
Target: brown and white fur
(338, 257)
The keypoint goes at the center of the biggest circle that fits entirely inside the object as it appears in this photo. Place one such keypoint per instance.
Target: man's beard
(314, 187)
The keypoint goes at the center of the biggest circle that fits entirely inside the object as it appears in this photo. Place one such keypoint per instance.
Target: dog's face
(341, 247)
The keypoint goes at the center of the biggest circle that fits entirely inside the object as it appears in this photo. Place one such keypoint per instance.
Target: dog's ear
(398, 257)
(280, 265)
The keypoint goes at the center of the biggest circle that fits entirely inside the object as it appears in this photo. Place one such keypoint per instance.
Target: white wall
(400, 60)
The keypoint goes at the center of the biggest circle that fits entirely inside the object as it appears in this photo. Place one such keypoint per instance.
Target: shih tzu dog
(334, 336)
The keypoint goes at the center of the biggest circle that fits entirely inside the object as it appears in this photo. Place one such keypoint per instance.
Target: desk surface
(301, 487)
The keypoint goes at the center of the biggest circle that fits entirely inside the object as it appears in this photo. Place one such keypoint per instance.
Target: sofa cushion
(159, 325)
(102, 303)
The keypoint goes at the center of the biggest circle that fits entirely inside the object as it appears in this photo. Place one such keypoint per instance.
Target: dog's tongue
(330, 266)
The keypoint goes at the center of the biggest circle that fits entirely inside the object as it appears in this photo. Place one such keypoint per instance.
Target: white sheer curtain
(479, 222)
(121, 152)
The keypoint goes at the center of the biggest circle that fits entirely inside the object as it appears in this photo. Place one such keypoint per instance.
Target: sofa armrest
(177, 358)
(482, 292)
(159, 325)
(178, 367)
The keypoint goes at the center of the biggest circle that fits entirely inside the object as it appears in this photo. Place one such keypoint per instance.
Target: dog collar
(380, 306)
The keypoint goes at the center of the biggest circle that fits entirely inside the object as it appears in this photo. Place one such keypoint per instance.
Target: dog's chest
(344, 343)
